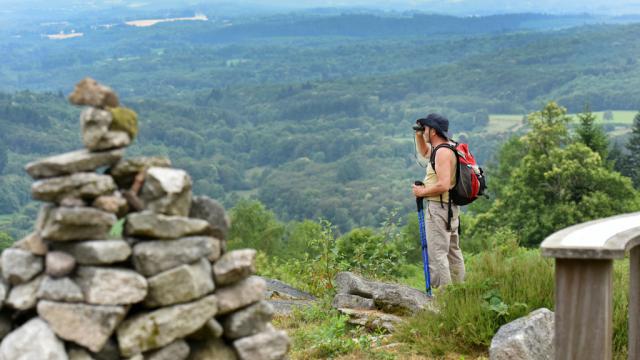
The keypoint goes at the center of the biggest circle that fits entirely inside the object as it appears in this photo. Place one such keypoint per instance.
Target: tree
(5, 240)
(591, 134)
(255, 227)
(631, 167)
(3, 155)
(608, 115)
(556, 184)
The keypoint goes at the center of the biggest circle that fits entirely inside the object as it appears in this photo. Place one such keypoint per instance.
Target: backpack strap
(432, 159)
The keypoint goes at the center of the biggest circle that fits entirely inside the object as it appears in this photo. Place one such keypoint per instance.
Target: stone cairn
(167, 291)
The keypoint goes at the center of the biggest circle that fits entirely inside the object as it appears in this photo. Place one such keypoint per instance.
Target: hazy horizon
(454, 7)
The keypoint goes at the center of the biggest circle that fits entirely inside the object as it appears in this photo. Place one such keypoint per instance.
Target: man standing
(442, 217)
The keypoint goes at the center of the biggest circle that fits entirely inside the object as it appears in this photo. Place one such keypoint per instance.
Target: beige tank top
(432, 178)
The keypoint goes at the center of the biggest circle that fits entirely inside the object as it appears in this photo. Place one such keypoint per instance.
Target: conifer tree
(591, 134)
(632, 163)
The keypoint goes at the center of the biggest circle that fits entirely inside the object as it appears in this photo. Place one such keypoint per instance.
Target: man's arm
(443, 172)
(424, 148)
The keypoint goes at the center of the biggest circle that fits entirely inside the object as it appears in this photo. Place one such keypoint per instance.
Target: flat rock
(109, 352)
(80, 223)
(267, 345)
(86, 325)
(391, 298)
(240, 294)
(20, 266)
(153, 257)
(89, 92)
(248, 321)
(235, 266)
(205, 208)
(149, 225)
(212, 329)
(277, 290)
(32, 341)
(286, 307)
(210, 349)
(96, 133)
(167, 191)
(61, 289)
(177, 350)
(78, 353)
(72, 162)
(111, 286)
(527, 338)
(59, 263)
(85, 186)
(348, 301)
(97, 252)
(181, 284)
(372, 319)
(126, 170)
(24, 296)
(155, 329)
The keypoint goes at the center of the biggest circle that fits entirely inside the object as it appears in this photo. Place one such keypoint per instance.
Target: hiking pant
(445, 257)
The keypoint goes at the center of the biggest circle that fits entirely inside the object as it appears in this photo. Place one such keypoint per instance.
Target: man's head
(435, 125)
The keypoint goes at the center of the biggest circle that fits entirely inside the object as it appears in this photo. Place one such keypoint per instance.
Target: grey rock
(372, 319)
(81, 223)
(109, 352)
(210, 349)
(126, 170)
(32, 243)
(89, 92)
(342, 301)
(153, 257)
(86, 325)
(240, 294)
(59, 264)
(205, 208)
(96, 135)
(20, 266)
(167, 191)
(155, 329)
(70, 201)
(149, 225)
(85, 186)
(181, 284)
(5, 324)
(62, 289)
(177, 350)
(276, 289)
(390, 298)
(527, 338)
(267, 345)
(248, 321)
(72, 162)
(216, 249)
(32, 341)
(110, 286)
(97, 252)
(235, 266)
(23, 296)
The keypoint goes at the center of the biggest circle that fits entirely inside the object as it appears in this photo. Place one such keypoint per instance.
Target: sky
(457, 7)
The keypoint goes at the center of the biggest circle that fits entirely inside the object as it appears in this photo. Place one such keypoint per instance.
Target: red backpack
(470, 179)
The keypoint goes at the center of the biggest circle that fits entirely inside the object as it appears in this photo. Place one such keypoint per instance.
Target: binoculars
(418, 127)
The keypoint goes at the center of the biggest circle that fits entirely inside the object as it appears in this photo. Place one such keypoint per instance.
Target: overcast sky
(459, 7)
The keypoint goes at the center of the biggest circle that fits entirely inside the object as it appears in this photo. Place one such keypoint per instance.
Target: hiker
(442, 216)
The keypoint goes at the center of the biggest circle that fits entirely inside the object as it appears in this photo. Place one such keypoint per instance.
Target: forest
(300, 124)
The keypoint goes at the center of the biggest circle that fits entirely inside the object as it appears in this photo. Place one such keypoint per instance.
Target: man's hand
(419, 191)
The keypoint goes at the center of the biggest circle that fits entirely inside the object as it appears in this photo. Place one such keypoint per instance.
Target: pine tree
(591, 134)
(632, 163)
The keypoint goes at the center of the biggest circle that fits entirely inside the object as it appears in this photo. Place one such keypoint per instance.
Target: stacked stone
(166, 291)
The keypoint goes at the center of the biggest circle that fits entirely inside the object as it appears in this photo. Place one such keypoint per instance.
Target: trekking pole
(423, 240)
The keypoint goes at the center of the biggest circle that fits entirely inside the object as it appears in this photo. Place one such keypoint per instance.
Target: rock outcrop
(376, 304)
(527, 338)
(168, 290)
